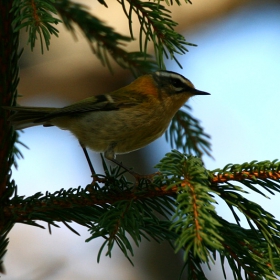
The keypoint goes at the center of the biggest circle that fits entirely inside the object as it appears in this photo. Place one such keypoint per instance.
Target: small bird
(118, 122)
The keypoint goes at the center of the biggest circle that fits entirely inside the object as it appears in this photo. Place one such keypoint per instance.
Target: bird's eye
(177, 84)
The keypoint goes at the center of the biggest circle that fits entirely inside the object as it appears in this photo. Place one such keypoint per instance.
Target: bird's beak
(199, 92)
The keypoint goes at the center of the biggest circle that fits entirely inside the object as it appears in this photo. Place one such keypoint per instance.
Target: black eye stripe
(179, 82)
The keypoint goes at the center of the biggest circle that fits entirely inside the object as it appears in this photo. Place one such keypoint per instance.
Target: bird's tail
(24, 117)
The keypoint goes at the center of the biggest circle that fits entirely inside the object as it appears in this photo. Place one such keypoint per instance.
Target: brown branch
(195, 211)
(23, 210)
(35, 14)
(239, 176)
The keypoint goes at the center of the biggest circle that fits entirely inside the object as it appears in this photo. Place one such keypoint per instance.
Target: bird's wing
(106, 102)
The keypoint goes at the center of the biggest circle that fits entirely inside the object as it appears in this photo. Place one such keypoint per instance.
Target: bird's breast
(128, 129)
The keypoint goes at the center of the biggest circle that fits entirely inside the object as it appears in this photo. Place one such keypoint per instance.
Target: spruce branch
(244, 247)
(156, 26)
(103, 3)
(186, 133)
(37, 17)
(183, 189)
(103, 40)
(193, 216)
(178, 205)
(178, 2)
(194, 268)
(9, 79)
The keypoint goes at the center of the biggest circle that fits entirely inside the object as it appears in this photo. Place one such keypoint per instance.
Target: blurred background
(237, 61)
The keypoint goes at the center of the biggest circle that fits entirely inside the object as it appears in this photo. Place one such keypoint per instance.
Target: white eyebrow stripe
(177, 76)
(173, 75)
(169, 75)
